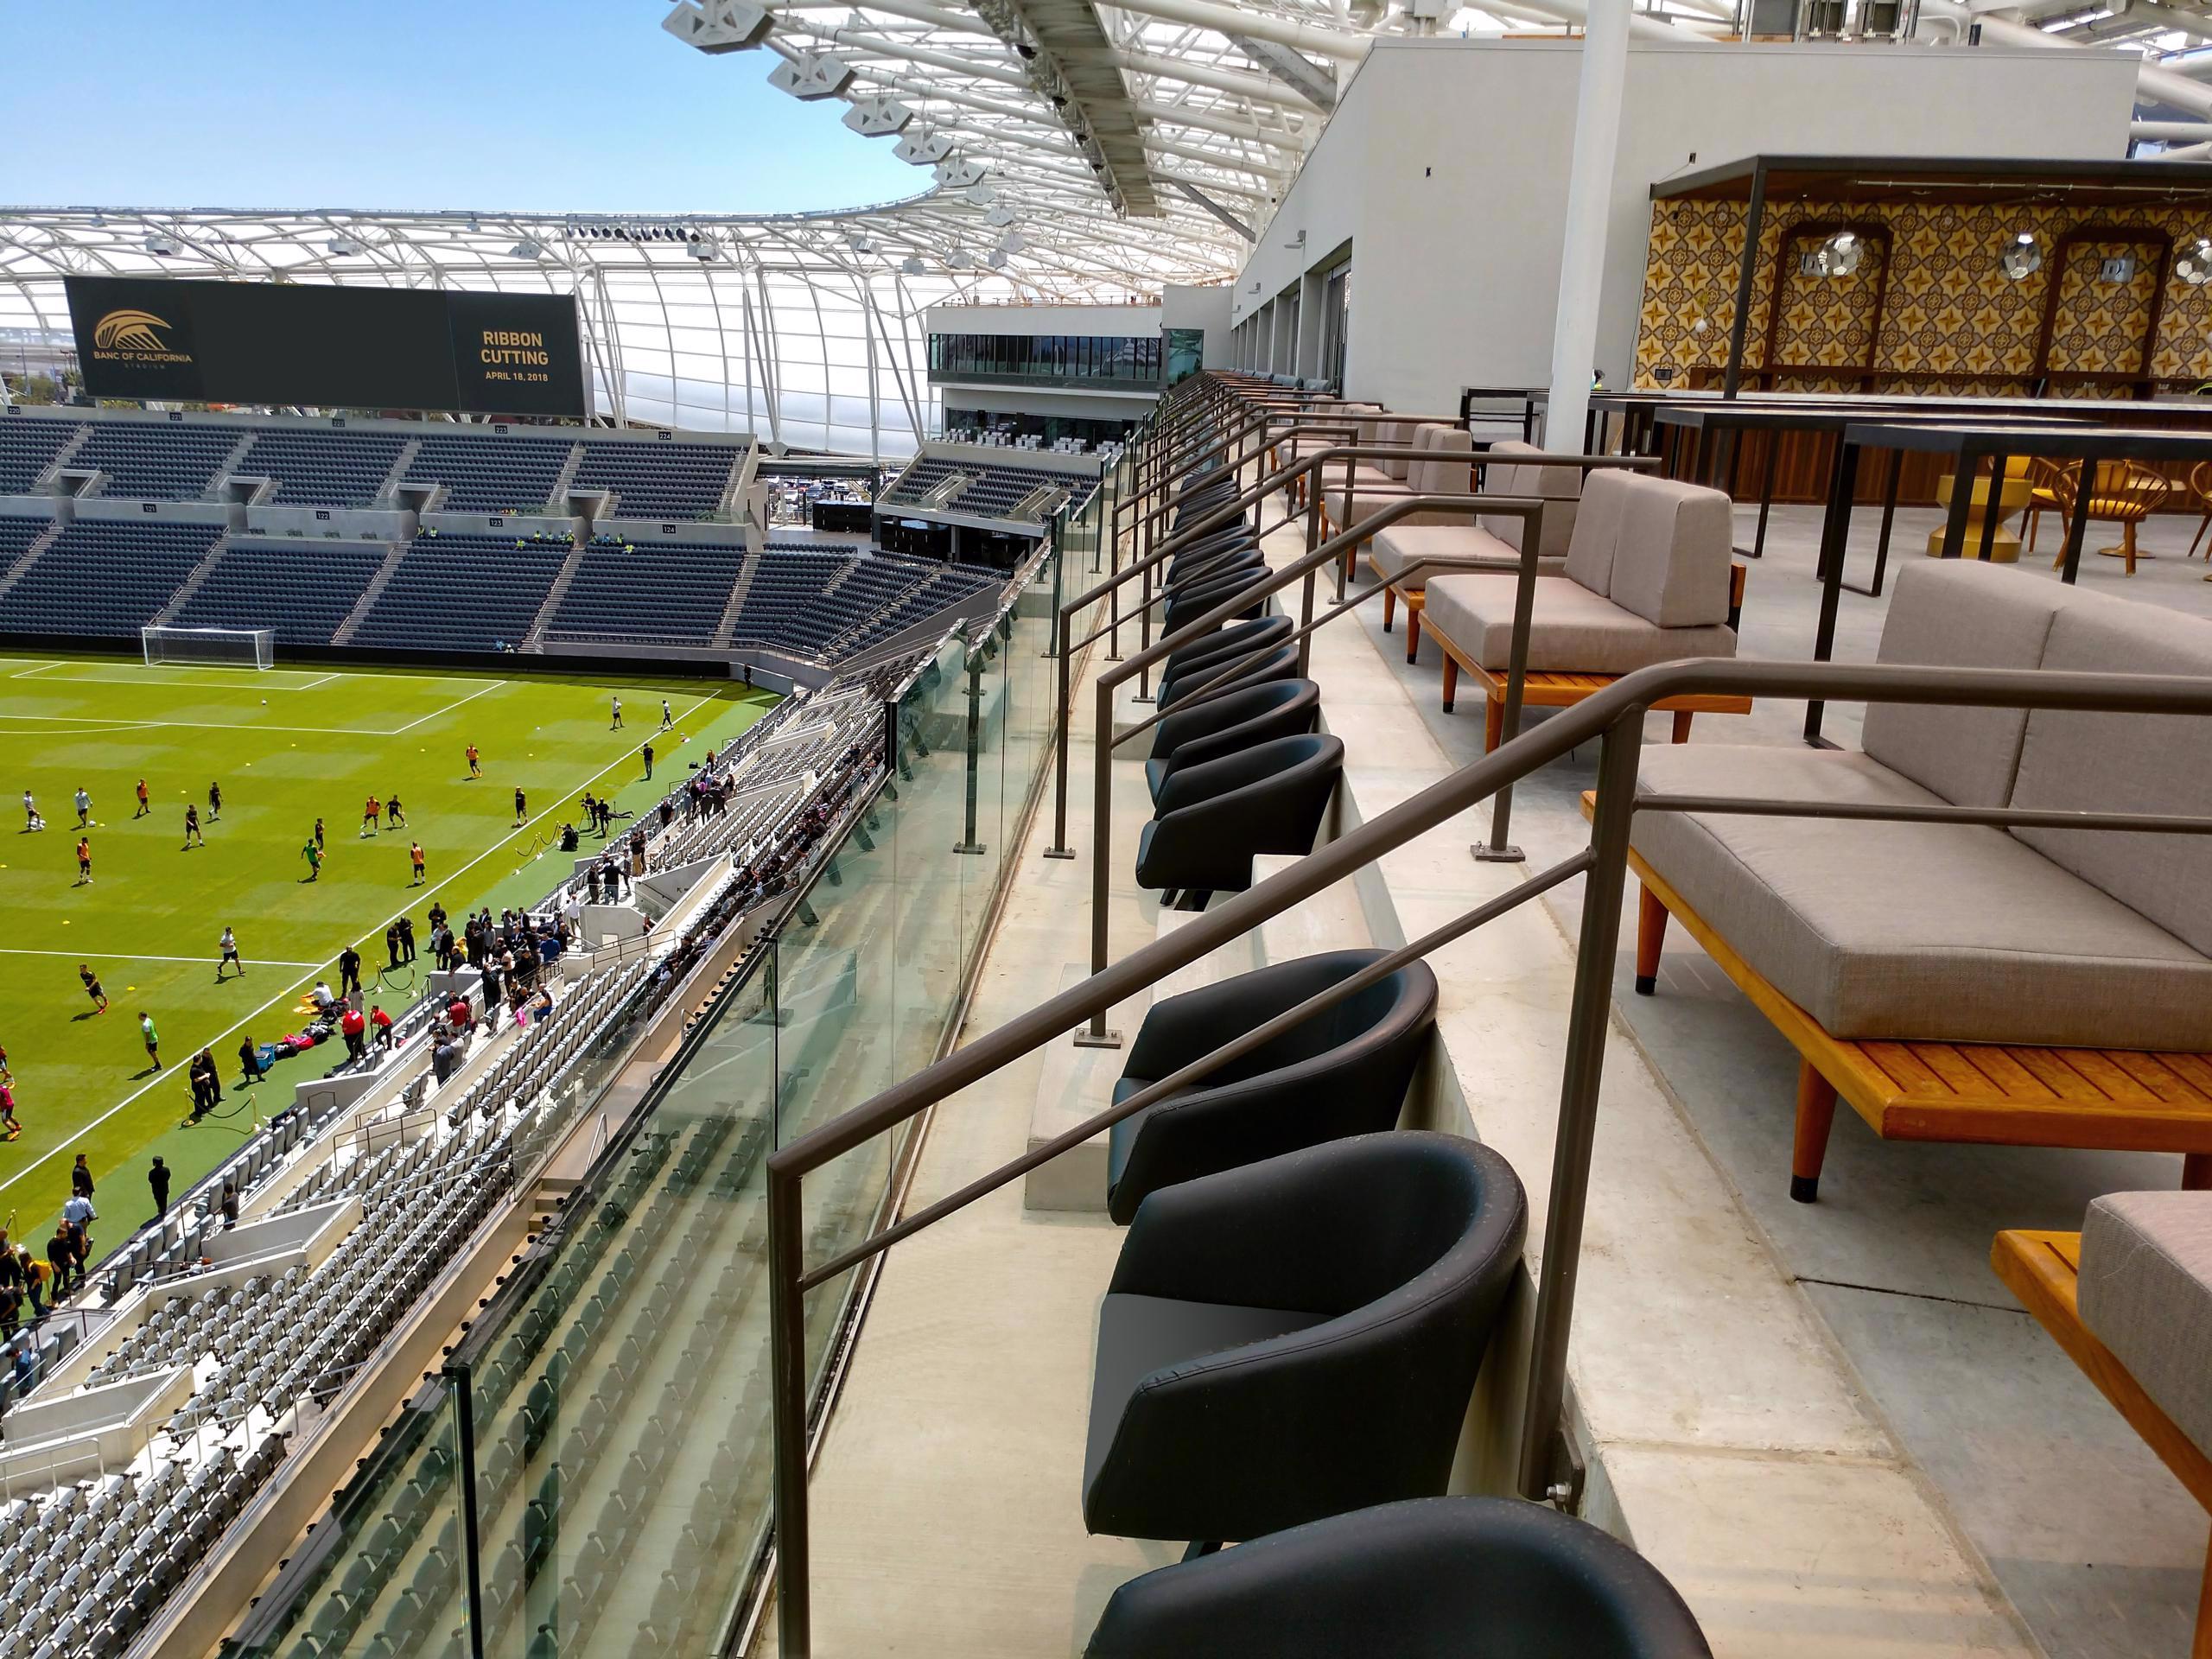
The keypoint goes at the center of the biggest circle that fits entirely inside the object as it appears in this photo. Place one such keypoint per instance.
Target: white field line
(36, 668)
(493, 685)
(238, 1025)
(125, 956)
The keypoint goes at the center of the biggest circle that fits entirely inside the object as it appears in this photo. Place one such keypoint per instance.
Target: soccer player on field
(318, 835)
(92, 987)
(192, 835)
(371, 809)
(313, 853)
(414, 853)
(667, 719)
(152, 1038)
(230, 947)
(8, 1113)
(83, 861)
(394, 814)
(84, 807)
(475, 769)
(30, 812)
(144, 804)
(214, 803)
(522, 808)
(616, 704)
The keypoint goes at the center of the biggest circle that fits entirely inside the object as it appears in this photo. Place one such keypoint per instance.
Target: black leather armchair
(1187, 606)
(1182, 576)
(1212, 820)
(1234, 638)
(1214, 726)
(1342, 1072)
(1436, 1578)
(1298, 1338)
(1239, 668)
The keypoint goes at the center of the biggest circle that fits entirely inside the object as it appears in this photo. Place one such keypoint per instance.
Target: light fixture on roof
(473, 225)
(809, 79)
(526, 248)
(911, 265)
(999, 216)
(703, 249)
(877, 117)
(982, 196)
(1012, 242)
(1840, 255)
(162, 246)
(956, 257)
(2194, 263)
(923, 149)
(996, 258)
(2021, 260)
(719, 26)
(859, 242)
(960, 172)
(344, 246)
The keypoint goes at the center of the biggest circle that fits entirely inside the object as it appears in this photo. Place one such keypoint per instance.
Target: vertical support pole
(472, 1543)
(967, 842)
(1499, 849)
(1739, 324)
(1096, 1035)
(787, 1382)
(1589, 198)
(1589, 1015)
(2077, 522)
(1835, 532)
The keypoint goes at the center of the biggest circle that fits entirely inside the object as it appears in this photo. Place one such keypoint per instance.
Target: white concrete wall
(1446, 166)
(1182, 306)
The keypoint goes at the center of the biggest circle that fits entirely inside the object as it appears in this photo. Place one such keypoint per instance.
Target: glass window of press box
(1056, 358)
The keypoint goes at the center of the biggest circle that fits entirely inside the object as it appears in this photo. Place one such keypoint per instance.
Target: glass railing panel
(386, 1571)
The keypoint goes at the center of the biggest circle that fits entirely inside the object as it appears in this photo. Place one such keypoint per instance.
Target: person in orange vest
(414, 853)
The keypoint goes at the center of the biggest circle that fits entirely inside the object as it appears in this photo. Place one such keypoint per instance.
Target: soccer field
(288, 746)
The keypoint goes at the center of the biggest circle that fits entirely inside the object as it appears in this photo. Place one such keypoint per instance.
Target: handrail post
(1498, 849)
(1589, 1017)
(1096, 1035)
(787, 1381)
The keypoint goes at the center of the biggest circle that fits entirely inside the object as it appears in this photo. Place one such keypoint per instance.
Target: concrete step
(1332, 920)
(1077, 1083)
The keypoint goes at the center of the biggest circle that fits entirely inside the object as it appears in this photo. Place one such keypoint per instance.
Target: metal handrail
(1615, 715)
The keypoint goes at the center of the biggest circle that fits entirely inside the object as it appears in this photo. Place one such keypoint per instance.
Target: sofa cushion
(1397, 432)
(1960, 614)
(1943, 932)
(1571, 628)
(1452, 471)
(1561, 486)
(1395, 548)
(2146, 1294)
(1671, 563)
(2127, 763)
(1597, 529)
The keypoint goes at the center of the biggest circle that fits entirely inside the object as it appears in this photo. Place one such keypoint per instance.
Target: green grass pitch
(288, 745)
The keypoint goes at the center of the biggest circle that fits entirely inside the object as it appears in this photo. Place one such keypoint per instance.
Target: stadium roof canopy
(1063, 151)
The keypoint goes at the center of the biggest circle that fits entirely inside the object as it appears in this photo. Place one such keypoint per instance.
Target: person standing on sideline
(230, 947)
(83, 861)
(648, 755)
(667, 719)
(349, 970)
(152, 1038)
(80, 1178)
(475, 770)
(84, 807)
(61, 1255)
(379, 1024)
(614, 705)
(145, 805)
(37, 1275)
(415, 856)
(31, 819)
(352, 1025)
(312, 851)
(522, 807)
(407, 938)
(192, 835)
(250, 1060)
(391, 945)
(318, 835)
(214, 803)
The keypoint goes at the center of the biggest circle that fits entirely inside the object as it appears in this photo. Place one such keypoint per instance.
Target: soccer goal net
(232, 647)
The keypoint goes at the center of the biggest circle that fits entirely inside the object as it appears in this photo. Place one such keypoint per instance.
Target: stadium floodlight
(926, 149)
(225, 647)
(877, 117)
(810, 78)
(526, 248)
(982, 196)
(718, 25)
(859, 242)
(1012, 242)
(344, 246)
(995, 258)
(960, 172)
(911, 265)
(703, 249)
(999, 217)
(162, 246)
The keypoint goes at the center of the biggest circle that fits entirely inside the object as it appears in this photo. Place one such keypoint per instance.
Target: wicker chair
(2126, 492)
(2200, 492)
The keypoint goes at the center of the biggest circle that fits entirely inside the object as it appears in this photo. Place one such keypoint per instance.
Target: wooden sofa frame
(1994, 1094)
(2045, 1271)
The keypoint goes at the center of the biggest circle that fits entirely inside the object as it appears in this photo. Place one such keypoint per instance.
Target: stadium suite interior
(1205, 825)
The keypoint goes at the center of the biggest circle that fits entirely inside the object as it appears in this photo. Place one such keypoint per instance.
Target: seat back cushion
(1960, 614)
(1452, 471)
(2146, 1293)
(1670, 565)
(1561, 486)
(1397, 432)
(2127, 763)
(1597, 529)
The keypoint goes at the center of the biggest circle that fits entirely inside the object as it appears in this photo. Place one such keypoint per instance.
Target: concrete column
(1589, 199)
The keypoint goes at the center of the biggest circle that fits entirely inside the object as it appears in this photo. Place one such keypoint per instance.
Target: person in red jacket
(353, 1026)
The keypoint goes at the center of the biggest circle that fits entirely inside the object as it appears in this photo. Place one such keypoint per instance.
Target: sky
(585, 106)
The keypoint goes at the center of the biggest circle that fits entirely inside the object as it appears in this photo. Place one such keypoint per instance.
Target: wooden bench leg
(1412, 633)
(2196, 1172)
(2200, 1644)
(1815, 1116)
(1650, 938)
(1451, 682)
(1389, 607)
(1683, 718)
(1493, 722)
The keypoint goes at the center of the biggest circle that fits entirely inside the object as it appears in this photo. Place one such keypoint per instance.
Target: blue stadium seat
(648, 593)
(463, 592)
(27, 447)
(490, 472)
(105, 578)
(660, 481)
(149, 460)
(302, 589)
(322, 467)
